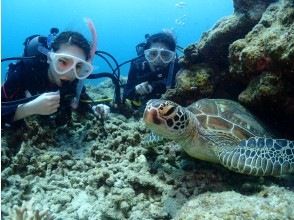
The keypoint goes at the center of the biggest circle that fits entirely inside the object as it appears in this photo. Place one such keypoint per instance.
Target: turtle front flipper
(260, 156)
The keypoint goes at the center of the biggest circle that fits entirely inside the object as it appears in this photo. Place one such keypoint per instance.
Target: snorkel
(80, 85)
(92, 29)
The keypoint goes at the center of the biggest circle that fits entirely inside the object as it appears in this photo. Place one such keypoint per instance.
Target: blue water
(121, 24)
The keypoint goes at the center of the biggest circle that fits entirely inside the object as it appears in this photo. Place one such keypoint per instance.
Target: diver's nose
(68, 77)
(158, 61)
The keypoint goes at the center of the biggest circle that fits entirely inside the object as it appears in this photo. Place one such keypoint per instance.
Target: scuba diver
(154, 71)
(52, 81)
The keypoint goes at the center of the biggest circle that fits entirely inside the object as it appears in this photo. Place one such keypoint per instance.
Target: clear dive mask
(152, 54)
(63, 63)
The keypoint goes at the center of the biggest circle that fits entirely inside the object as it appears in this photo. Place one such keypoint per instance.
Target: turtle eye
(169, 111)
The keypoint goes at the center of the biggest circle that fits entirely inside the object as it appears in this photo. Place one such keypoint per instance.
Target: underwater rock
(194, 84)
(247, 6)
(251, 54)
(212, 51)
(213, 45)
(269, 46)
(264, 62)
(268, 86)
(270, 203)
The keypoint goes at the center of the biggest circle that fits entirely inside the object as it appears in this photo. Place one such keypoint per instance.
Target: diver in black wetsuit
(150, 75)
(53, 81)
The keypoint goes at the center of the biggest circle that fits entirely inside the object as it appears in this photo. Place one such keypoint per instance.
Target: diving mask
(63, 63)
(165, 55)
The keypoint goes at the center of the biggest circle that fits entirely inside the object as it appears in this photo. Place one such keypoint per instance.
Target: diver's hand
(101, 111)
(46, 104)
(143, 88)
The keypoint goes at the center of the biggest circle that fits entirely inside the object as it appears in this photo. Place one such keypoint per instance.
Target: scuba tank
(37, 47)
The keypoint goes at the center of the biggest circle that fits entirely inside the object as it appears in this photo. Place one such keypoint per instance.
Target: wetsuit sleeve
(129, 90)
(12, 89)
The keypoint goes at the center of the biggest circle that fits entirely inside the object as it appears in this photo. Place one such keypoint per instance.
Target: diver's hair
(162, 37)
(72, 38)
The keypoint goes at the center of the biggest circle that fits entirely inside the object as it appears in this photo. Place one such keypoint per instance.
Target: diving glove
(143, 88)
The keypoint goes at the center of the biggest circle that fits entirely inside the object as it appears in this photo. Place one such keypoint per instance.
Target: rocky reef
(247, 57)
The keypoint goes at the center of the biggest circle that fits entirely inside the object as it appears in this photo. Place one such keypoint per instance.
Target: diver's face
(157, 63)
(69, 75)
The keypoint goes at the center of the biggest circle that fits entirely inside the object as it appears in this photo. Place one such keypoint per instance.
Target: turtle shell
(226, 118)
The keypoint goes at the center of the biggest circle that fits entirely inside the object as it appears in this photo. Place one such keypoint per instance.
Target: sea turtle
(221, 131)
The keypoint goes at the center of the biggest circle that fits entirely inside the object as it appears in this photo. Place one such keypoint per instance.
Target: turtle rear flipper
(260, 156)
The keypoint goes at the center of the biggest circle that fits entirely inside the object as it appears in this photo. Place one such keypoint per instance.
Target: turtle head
(166, 118)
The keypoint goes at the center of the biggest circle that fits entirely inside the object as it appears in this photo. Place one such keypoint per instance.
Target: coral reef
(93, 169)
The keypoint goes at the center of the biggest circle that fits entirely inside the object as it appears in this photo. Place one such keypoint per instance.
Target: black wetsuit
(140, 72)
(25, 79)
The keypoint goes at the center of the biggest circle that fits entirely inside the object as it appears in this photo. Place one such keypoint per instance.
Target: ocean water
(102, 169)
(121, 24)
